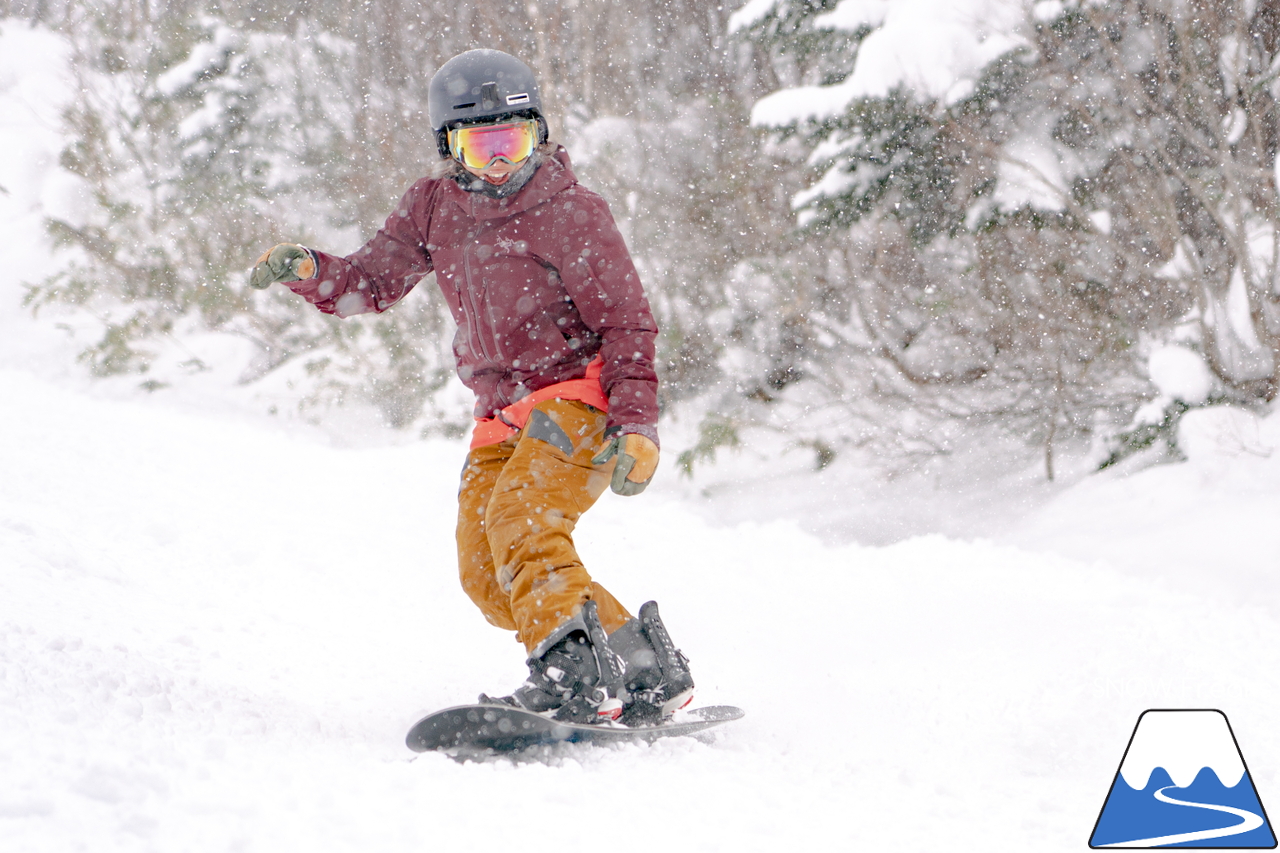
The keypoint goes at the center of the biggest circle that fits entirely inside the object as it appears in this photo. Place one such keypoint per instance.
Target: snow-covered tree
(1020, 197)
(202, 142)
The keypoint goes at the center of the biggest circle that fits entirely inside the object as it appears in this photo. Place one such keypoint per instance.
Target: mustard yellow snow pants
(517, 507)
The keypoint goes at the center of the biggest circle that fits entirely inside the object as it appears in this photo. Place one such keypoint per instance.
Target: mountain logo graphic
(1183, 783)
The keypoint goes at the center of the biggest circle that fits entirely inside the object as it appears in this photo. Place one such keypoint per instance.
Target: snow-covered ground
(215, 627)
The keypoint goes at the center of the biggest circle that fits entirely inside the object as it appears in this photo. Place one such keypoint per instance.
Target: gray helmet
(480, 86)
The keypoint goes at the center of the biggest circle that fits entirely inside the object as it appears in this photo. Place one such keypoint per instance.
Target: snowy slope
(213, 634)
(215, 630)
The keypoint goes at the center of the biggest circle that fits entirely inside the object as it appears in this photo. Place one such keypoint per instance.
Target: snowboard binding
(575, 679)
(656, 680)
(635, 676)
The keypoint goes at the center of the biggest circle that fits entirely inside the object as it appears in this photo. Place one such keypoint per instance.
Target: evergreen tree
(202, 143)
(1008, 245)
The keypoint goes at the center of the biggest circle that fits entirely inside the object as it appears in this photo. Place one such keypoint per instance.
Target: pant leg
(544, 487)
(475, 560)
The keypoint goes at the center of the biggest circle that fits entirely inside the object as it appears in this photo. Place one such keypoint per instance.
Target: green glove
(282, 262)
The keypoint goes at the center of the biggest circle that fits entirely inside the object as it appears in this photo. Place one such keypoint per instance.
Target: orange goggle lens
(479, 145)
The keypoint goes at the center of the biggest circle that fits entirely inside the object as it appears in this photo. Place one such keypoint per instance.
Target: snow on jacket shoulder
(539, 284)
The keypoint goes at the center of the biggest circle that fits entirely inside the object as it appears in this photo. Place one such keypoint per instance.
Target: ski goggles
(479, 145)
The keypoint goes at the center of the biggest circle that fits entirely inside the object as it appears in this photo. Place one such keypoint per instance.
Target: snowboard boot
(656, 680)
(576, 679)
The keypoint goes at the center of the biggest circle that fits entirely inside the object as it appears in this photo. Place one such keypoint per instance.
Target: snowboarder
(556, 339)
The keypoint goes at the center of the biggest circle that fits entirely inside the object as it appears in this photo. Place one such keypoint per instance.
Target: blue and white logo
(1183, 783)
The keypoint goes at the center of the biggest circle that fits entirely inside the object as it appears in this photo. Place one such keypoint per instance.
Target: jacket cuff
(315, 263)
(649, 432)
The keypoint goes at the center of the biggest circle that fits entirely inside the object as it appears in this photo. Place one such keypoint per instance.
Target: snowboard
(502, 729)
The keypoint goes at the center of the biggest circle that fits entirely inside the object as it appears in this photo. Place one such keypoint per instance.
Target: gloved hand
(282, 262)
(637, 460)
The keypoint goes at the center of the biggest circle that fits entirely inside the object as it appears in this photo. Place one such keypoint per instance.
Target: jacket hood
(554, 176)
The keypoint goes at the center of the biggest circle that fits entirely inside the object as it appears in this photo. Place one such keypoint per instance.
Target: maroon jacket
(539, 283)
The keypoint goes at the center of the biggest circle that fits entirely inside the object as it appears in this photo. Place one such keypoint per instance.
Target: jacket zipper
(475, 310)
